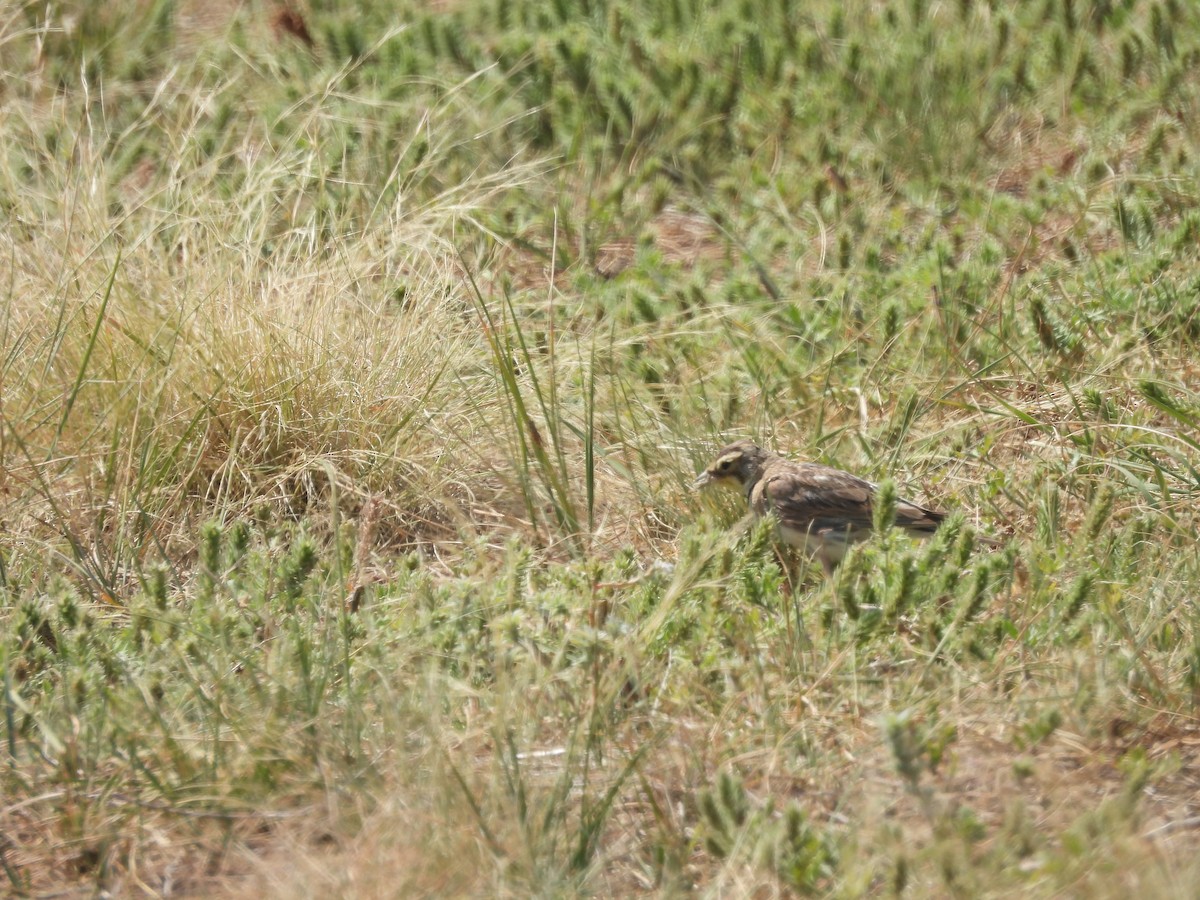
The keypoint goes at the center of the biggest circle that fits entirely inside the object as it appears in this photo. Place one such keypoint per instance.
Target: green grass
(351, 388)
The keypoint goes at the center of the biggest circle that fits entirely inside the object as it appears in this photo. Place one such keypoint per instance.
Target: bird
(818, 509)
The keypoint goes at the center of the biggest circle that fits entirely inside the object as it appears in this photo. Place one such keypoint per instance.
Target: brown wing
(819, 499)
(815, 499)
(917, 518)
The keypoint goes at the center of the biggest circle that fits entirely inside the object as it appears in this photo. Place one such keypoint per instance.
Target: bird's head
(739, 465)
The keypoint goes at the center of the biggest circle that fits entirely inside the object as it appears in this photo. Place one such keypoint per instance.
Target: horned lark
(819, 509)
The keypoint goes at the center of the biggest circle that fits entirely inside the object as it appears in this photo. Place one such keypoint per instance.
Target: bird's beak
(702, 481)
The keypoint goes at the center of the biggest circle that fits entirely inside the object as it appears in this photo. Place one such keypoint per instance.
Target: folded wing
(818, 499)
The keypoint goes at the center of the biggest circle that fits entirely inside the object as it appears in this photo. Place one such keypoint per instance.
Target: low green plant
(354, 366)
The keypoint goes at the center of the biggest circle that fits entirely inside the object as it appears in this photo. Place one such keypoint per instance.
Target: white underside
(830, 545)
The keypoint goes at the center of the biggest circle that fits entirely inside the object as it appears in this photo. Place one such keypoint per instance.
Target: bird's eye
(724, 466)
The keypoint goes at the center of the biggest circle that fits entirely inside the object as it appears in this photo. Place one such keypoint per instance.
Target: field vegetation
(355, 364)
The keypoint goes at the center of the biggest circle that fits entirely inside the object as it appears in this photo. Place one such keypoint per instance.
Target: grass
(355, 366)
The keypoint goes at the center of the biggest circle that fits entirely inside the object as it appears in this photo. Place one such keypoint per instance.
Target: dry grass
(353, 369)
